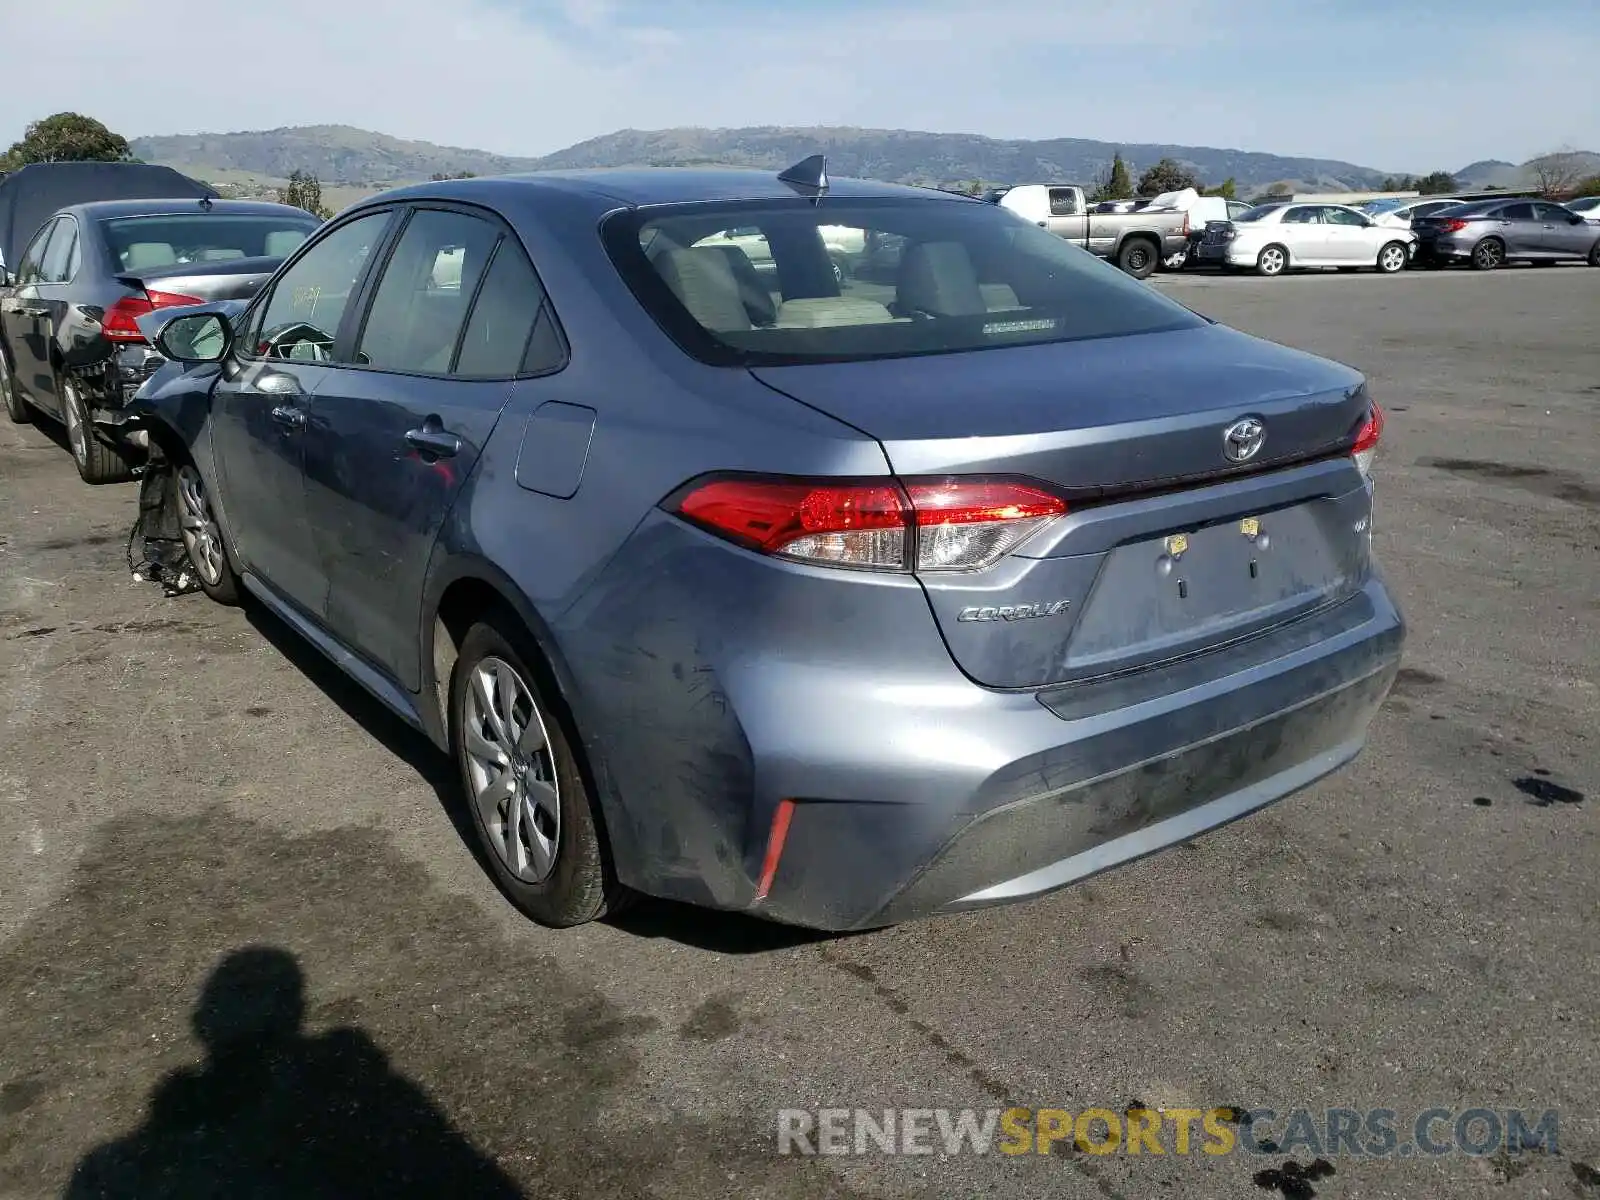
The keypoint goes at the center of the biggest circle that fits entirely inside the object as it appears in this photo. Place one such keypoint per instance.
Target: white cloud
(483, 73)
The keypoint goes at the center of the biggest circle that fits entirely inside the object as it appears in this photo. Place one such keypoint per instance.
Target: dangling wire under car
(156, 553)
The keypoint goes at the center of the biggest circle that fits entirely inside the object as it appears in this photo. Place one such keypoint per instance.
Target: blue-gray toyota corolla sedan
(838, 553)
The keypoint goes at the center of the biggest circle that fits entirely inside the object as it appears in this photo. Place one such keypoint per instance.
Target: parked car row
(70, 345)
(835, 597)
(1275, 238)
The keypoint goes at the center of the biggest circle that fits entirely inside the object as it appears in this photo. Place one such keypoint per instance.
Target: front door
(1559, 236)
(260, 407)
(1350, 240)
(392, 440)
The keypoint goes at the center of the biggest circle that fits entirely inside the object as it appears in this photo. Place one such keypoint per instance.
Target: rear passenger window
(58, 256)
(1517, 212)
(509, 306)
(421, 303)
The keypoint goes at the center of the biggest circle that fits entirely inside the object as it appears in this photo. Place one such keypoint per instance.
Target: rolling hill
(354, 162)
(341, 155)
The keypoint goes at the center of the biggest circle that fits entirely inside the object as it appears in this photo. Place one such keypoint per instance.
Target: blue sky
(1397, 84)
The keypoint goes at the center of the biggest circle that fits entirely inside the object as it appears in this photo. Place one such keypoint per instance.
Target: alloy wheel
(1488, 255)
(1392, 259)
(510, 770)
(1272, 261)
(202, 537)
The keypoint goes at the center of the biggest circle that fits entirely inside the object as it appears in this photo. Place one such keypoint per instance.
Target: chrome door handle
(440, 443)
(25, 310)
(290, 417)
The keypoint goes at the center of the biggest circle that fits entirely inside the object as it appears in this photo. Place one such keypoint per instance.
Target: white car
(1399, 214)
(845, 246)
(1587, 207)
(1275, 238)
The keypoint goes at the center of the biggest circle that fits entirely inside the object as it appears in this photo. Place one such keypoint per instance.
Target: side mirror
(198, 338)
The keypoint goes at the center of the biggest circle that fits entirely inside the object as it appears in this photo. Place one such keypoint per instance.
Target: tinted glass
(301, 318)
(1259, 212)
(503, 316)
(1342, 216)
(1063, 202)
(1302, 216)
(1552, 212)
(162, 241)
(28, 268)
(1516, 212)
(912, 277)
(56, 267)
(428, 282)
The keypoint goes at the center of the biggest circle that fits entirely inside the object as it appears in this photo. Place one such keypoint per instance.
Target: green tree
(1168, 175)
(1436, 183)
(1119, 184)
(1400, 183)
(304, 191)
(66, 137)
(1227, 189)
(1586, 187)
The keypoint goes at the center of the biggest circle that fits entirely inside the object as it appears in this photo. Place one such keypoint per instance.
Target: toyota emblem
(1242, 440)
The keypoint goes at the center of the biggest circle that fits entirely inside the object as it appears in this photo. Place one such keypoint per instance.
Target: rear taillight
(952, 524)
(1453, 225)
(1366, 447)
(121, 319)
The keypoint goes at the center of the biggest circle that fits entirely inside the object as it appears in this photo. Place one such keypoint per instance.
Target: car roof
(639, 187)
(100, 210)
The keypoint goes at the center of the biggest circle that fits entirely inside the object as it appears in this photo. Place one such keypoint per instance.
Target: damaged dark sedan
(70, 345)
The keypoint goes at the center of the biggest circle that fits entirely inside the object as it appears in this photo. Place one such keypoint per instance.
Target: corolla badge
(1242, 440)
(1015, 612)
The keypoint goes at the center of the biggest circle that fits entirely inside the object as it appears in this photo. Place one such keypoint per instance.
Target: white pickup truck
(1138, 242)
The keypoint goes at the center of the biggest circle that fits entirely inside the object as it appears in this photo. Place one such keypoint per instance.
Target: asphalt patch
(216, 1008)
(1541, 481)
(1542, 793)
(1293, 1180)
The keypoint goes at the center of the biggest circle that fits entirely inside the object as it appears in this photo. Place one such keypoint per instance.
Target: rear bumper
(1117, 771)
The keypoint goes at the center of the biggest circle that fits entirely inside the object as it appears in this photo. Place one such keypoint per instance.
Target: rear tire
(1489, 255)
(1594, 255)
(16, 407)
(532, 810)
(1273, 260)
(97, 461)
(1139, 257)
(1392, 258)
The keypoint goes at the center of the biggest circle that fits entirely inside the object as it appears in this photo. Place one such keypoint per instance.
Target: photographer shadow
(276, 1112)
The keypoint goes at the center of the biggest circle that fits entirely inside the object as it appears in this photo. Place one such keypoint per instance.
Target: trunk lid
(225, 279)
(1168, 547)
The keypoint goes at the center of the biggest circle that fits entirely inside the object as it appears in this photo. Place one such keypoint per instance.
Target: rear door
(1523, 234)
(24, 314)
(1301, 229)
(392, 438)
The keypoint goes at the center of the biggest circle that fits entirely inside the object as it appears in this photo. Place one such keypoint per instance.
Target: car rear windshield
(1255, 214)
(143, 243)
(792, 281)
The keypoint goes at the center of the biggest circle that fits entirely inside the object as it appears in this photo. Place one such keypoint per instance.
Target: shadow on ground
(358, 1031)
